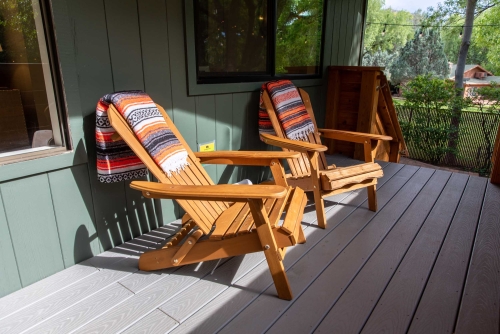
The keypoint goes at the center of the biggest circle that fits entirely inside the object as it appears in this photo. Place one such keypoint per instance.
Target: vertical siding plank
(224, 132)
(183, 105)
(252, 141)
(32, 223)
(122, 19)
(9, 275)
(72, 200)
(124, 44)
(338, 31)
(349, 32)
(205, 126)
(240, 109)
(95, 79)
(317, 101)
(357, 33)
(155, 52)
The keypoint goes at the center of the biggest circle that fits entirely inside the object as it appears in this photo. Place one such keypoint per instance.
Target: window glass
(28, 109)
(231, 37)
(298, 36)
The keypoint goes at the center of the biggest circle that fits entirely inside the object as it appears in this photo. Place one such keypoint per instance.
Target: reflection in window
(298, 36)
(28, 112)
(231, 37)
(257, 40)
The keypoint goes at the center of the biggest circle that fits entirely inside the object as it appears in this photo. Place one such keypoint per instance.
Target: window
(257, 40)
(29, 120)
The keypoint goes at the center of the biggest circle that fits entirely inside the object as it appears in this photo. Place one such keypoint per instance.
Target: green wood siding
(53, 215)
(74, 213)
(35, 238)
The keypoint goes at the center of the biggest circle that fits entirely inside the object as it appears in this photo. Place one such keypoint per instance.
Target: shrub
(428, 126)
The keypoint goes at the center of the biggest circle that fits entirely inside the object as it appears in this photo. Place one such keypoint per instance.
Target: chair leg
(278, 273)
(320, 208)
(270, 249)
(302, 237)
(372, 198)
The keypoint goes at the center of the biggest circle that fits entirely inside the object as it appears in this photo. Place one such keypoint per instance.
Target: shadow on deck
(427, 262)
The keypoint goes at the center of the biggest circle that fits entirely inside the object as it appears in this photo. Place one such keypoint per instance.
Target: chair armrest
(295, 145)
(354, 137)
(244, 158)
(222, 192)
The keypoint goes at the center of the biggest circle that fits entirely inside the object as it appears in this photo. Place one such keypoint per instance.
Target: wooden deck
(427, 262)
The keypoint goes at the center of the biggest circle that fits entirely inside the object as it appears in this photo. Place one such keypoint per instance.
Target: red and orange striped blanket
(115, 160)
(290, 110)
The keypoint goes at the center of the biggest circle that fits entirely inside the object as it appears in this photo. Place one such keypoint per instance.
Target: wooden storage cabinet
(359, 99)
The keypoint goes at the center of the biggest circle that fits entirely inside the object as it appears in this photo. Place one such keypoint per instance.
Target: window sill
(30, 154)
(225, 88)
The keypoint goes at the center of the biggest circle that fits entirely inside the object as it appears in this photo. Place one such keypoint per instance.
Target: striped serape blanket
(115, 160)
(290, 110)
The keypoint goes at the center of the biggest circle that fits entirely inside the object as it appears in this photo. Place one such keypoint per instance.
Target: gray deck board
(140, 305)
(267, 308)
(480, 308)
(74, 317)
(395, 308)
(426, 262)
(438, 307)
(65, 298)
(155, 322)
(309, 309)
(44, 288)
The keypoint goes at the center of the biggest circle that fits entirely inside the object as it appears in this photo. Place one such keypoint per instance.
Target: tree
(452, 34)
(468, 10)
(485, 38)
(423, 55)
(378, 58)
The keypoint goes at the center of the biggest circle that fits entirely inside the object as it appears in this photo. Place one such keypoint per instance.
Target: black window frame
(239, 77)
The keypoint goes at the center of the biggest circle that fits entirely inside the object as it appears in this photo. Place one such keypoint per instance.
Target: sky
(411, 5)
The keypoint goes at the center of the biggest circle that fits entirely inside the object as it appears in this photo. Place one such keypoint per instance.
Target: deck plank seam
(437, 256)
(297, 296)
(11, 241)
(470, 257)
(374, 250)
(405, 253)
(182, 289)
(298, 259)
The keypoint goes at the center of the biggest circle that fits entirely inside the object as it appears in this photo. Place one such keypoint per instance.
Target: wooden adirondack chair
(222, 220)
(311, 172)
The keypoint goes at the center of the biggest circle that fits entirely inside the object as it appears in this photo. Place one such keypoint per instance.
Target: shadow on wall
(118, 212)
(250, 141)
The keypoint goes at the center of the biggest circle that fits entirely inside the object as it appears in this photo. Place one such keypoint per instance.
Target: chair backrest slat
(204, 213)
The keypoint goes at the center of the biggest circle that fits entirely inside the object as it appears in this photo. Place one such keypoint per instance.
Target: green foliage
(298, 34)
(394, 37)
(17, 16)
(429, 124)
(378, 58)
(483, 49)
(486, 39)
(451, 39)
(423, 55)
(487, 100)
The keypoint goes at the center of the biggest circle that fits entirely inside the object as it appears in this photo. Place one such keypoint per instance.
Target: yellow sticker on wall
(207, 147)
